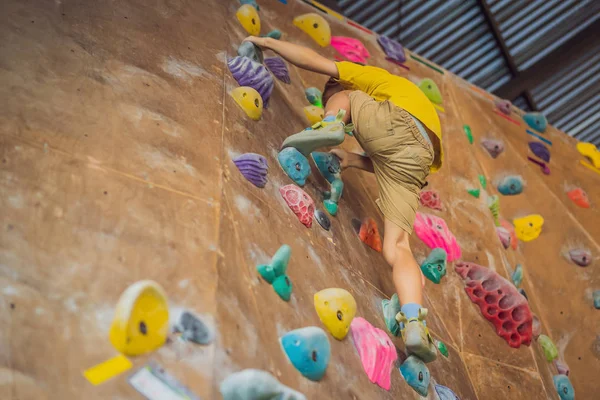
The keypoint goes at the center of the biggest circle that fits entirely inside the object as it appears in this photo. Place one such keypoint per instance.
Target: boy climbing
(398, 127)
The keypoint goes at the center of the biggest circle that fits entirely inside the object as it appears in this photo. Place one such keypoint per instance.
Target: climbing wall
(117, 139)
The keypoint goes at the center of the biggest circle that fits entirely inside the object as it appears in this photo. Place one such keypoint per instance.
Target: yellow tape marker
(439, 108)
(590, 166)
(107, 369)
(328, 10)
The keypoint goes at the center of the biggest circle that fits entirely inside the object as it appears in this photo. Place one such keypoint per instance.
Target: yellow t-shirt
(381, 85)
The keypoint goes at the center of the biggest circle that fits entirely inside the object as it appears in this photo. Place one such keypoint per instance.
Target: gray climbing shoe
(416, 336)
(321, 134)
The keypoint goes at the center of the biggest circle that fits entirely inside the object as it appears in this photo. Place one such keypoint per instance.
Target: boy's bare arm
(300, 56)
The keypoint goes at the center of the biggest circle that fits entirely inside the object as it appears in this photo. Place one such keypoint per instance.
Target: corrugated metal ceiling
(456, 35)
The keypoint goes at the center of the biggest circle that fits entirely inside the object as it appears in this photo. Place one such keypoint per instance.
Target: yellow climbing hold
(248, 17)
(336, 309)
(529, 227)
(316, 26)
(141, 321)
(249, 100)
(314, 114)
(591, 152)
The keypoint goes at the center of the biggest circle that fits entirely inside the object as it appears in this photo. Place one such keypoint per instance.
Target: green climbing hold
(442, 348)
(283, 287)
(314, 96)
(390, 309)
(275, 34)
(474, 192)
(431, 90)
(548, 347)
(517, 275)
(434, 266)
(468, 132)
(494, 206)
(274, 273)
(483, 181)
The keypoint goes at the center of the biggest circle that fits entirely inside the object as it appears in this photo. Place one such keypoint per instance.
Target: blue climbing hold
(511, 185)
(294, 164)
(390, 309)
(517, 275)
(416, 374)
(445, 393)
(597, 299)
(563, 387)
(283, 287)
(329, 166)
(308, 350)
(536, 121)
(314, 96)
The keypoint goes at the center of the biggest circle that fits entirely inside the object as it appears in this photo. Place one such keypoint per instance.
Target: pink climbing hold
(431, 199)
(536, 326)
(376, 351)
(561, 367)
(434, 232)
(514, 242)
(352, 49)
(300, 203)
(504, 236)
(499, 302)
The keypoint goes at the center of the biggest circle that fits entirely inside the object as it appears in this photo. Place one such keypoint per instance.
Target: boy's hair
(331, 87)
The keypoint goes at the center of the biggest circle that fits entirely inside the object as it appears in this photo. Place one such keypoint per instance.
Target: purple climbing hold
(254, 168)
(277, 66)
(249, 73)
(504, 236)
(493, 146)
(445, 393)
(561, 367)
(540, 151)
(581, 257)
(505, 106)
(392, 49)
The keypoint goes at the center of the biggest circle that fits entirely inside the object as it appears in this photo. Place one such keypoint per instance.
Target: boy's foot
(322, 134)
(416, 336)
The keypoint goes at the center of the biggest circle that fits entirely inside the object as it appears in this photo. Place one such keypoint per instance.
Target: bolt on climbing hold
(250, 73)
(548, 347)
(416, 374)
(376, 351)
(294, 164)
(540, 151)
(561, 367)
(275, 34)
(536, 326)
(494, 206)
(468, 132)
(563, 387)
(579, 197)
(581, 257)
(499, 302)
(141, 321)
(316, 27)
(434, 266)
(434, 232)
(474, 192)
(589, 151)
(528, 228)
(193, 329)
(369, 234)
(329, 166)
(514, 242)
(351, 49)
(313, 114)
(493, 147)
(431, 90)
(431, 199)
(482, 181)
(250, 2)
(253, 384)
(511, 185)
(445, 393)
(253, 167)
(299, 202)
(505, 106)
(392, 49)
(278, 68)
(323, 219)
(308, 350)
(536, 121)
(390, 309)
(596, 296)
(274, 273)
(517, 276)
(314, 96)
(336, 309)
(249, 19)
(250, 50)
(249, 101)
(442, 348)
(504, 236)
(523, 293)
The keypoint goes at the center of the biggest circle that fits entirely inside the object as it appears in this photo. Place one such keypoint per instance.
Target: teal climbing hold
(252, 51)
(294, 164)
(275, 34)
(517, 275)
(468, 132)
(548, 347)
(329, 166)
(442, 348)
(563, 387)
(314, 96)
(597, 299)
(416, 374)
(308, 350)
(536, 121)
(390, 309)
(474, 192)
(434, 266)
(482, 181)
(253, 384)
(511, 185)
(274, 273)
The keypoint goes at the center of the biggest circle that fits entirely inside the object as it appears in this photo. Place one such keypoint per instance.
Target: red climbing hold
(300, 203)
(579, 197)
(369, 234)
(431, 199)
(499, 302)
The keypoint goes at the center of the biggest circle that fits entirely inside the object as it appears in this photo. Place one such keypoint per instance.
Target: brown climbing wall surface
(117, 135)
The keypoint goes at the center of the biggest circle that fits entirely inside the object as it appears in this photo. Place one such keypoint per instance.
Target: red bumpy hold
(369, 234)
(299, 202)
(499, 302)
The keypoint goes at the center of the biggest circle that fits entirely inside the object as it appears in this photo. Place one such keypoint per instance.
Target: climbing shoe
(416, 336)
(321, 134)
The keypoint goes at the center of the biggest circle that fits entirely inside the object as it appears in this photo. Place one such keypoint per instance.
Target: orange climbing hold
(369, 234)
(579, 197)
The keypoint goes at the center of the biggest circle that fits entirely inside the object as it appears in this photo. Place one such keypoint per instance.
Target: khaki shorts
(401, 155)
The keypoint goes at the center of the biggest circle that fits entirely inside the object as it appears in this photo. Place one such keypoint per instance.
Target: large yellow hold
(141, 321)
(314, 114)
(316, 26)
(249, 100)
(529, 227)
(336, 309)
(590, 151)
(248, 17)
